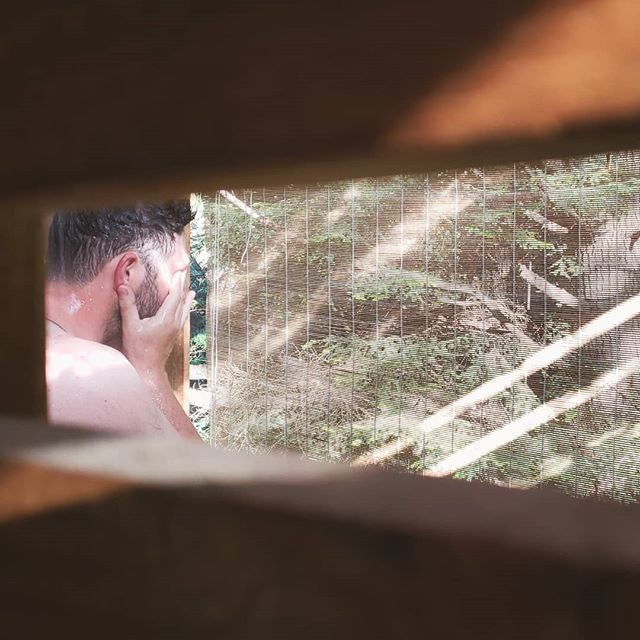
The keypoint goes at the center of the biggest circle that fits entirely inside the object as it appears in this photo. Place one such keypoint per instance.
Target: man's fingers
(186, 307)
(127, 303)
(184, 294)
(172, 301)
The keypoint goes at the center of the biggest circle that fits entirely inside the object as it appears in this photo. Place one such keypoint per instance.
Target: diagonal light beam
(543, 414)
(548, 355)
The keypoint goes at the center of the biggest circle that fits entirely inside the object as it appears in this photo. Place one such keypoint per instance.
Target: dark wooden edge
(111, 96)
(542, 521)
(178, 363)
(136, 537)
(22, 344)
(208, 177)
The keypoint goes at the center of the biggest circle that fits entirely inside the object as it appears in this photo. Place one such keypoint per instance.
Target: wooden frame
(116, 103)
(22, 241)
(154, 100)
(178, 363)
(104, 534)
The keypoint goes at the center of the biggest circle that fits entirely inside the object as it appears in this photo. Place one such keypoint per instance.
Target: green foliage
(555, 328)
(566, 267)
(527, 239)
(411, 286)
(593, 187)
(339, 233)
(198, 348)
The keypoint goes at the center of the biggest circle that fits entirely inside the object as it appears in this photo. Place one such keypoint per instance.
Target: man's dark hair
(82, 242)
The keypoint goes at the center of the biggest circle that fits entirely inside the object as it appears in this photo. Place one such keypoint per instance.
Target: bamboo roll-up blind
(481, 323)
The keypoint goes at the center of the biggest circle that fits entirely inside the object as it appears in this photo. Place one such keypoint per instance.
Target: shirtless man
(115, 304)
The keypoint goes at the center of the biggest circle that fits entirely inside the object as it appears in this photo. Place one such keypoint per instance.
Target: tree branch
(557, 293)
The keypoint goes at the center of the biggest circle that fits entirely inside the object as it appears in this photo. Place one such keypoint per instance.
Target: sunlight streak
(548, 355)
(392, 247)
(384, 452)
(277, 338)
(543, 414)
(554, 467)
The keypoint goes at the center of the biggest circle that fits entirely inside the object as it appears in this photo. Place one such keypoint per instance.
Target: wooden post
(368, 98)
(22, 342)
(161, 538)
(178, 363)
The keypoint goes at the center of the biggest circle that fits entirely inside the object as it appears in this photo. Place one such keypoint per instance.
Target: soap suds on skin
(74, 305)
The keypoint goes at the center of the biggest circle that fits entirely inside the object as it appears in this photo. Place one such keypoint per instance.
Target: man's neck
(79, 310)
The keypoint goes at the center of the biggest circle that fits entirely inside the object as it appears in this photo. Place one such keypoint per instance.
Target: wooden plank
(178, 362)
(22, 379)
(222, 545)
(161, 99)
(108, 102)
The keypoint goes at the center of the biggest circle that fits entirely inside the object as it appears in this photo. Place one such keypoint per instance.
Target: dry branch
(254, 213)
(553, 291)
(547, 224)
(500, 308)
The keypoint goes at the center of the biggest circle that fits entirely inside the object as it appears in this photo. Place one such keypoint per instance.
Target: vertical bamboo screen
(351, 321)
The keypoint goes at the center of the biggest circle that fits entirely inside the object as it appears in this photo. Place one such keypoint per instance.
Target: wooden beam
(178, 363)
(223, 545)
(22, 379)
(162, 100)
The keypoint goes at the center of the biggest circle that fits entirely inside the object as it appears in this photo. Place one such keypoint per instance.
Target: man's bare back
(94, 386)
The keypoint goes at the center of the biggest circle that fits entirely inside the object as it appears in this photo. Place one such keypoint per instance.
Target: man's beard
(148, 302)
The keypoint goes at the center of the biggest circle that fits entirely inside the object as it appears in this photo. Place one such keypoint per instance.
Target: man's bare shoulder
(70, 352)
(92, 385)
(72, 360)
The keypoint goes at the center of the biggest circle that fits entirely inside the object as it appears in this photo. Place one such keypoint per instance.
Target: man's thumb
(127, 302)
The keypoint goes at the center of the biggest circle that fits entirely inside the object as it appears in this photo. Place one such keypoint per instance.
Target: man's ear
(129, 270)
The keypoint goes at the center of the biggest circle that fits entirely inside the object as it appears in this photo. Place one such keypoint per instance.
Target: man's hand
(147, 342)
